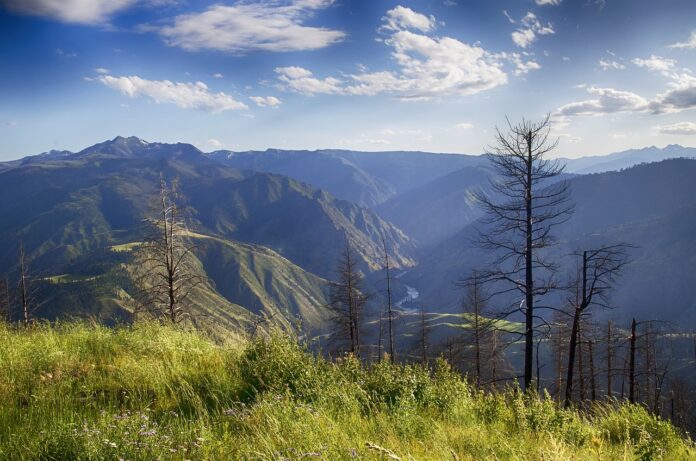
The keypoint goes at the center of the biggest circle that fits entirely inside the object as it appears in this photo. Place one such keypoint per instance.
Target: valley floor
(85, 392)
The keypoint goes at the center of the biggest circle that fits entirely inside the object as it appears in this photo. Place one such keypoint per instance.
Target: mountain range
(270, 225)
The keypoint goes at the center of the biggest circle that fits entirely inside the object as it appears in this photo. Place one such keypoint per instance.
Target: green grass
(86, 392)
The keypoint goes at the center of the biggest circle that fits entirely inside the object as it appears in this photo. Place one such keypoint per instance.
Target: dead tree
(27, 290)
(527, 202)
(347, 302)
(390, 307)
(481, 324)
(560, 332)
(610, 354)
(423, 335)
(165, 262)
(632, 364)
(5, 304)
(600, 267)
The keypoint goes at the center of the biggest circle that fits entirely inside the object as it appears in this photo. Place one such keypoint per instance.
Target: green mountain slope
(265, 235)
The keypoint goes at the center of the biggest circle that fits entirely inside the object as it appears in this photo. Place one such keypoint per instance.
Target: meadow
(80, 391)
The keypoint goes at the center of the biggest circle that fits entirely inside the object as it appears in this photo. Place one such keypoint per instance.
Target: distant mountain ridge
(627, 158)
(364, 178)
(651, 206)
(281, 238)
(271, 225)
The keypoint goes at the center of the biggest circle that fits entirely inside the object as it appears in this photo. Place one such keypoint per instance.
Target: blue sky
(368, 75)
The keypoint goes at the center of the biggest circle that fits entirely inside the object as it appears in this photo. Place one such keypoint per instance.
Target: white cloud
(463, 126)
(678, 128)
(363, 140)
(218, 75)
(526, 35)
(690, 42)
(509, 18)
(433, 66)
(521, 67)
(523, 37)
(569, 138)
(101, 70)
(266, 101)
(608, 64)
(608, 100)
(215, 143)
(427, 67)
(73, 11)
(402, 18)
(548, 2)
(245, 27)
(566, 58)
(301, 80)
(680, 96)
(655, 63)
(418, 133)
(185, 95)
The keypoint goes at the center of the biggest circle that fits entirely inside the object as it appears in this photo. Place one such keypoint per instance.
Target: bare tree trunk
(5, 304)
(538, 368)
(623, 376)
(632, 364)
(581, 372)
(571, 357)
(609, 357)
(380, 339)
(593, 389)
(494, 354)
(390, 312)
(23, 286)
(559, 368)
(529, 275)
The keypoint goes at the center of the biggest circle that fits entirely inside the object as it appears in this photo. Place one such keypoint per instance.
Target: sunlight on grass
(86, 392)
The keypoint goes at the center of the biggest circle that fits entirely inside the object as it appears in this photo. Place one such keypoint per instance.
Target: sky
(371, 75)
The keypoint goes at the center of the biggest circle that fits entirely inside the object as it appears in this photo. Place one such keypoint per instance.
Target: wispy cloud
(266, 101)
(72, 11)
(608, 64)
(185, 95)
(680, 95)
(531, 28)
(680, 128)
(655, 63)
(690, 42)
(245, 27)
(606, 101)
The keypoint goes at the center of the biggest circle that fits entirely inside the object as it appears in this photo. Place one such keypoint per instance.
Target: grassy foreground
(84, 392)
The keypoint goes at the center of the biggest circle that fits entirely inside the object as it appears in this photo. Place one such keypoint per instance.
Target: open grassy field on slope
(85, 392)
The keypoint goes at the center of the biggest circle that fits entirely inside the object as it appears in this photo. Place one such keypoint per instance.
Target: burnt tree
(347, 302)
(165, 272)
(528, 200)
(599, 269)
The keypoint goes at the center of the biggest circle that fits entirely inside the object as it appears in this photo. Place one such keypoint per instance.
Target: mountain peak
(130, 140)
